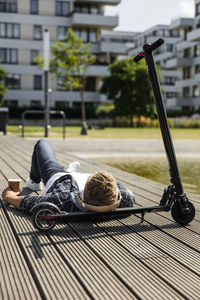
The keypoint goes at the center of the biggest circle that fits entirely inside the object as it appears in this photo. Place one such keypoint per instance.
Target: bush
(105, 110)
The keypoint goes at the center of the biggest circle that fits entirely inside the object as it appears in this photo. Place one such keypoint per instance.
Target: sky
(140, 15)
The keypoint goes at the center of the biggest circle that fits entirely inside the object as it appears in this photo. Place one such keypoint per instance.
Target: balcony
(107, 22)
(194, 35)
(188, 101)
(112, 47)
(163, 56)
(104, 2)
(185, 83)
(169, 88)
(184, 45)
(22, 69)
(171, 73)
(72, 96)
(179, 62)
(98, 70)
(181, 23)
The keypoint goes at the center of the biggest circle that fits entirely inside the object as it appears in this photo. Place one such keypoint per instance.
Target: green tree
(70, 60)
(2, 86)
(128, 86)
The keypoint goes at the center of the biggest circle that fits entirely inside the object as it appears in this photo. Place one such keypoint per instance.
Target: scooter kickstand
(142, 217)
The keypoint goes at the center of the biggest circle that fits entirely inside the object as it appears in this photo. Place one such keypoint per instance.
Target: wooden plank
(56, 278)
(99, 279)
(16, 279)
(157, 257)
(146, 283)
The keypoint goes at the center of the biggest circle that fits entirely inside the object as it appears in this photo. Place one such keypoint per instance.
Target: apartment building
(179, 58)
(187, 62)
(162, 55)
(22, 23)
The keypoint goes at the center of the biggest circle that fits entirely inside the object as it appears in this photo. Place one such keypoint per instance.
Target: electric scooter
(46, 215)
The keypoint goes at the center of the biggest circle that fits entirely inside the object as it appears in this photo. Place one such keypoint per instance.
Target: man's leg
(44, 162)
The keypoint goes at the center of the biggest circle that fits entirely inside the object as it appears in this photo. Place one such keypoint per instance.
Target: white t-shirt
(80, 178)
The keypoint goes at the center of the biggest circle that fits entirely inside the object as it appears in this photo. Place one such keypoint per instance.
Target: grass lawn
(109, 133)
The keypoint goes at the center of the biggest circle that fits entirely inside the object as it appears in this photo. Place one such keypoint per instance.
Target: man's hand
(12, 197)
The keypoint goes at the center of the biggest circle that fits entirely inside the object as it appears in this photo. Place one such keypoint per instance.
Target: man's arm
(12, 197)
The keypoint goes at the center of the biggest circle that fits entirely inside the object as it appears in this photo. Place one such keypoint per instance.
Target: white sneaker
(34, 186)
(73, 167)
(130, 192)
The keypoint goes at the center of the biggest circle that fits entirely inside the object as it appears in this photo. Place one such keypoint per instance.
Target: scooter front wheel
(39, 218)
(181, 217)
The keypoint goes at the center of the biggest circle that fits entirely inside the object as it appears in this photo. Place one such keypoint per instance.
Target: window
(84, 35)
(11, 103)
(186, 92)
(169, 47)
(60, 83)
(12, 81)
(34, 54)
(62, 8)
(90, 84)
(170, 95)
(86, 8)
(8, 56)
(195, 91)
(87, 34)
(197, 50)
(187, 53)
(37, 32)
(9, 30)
(92, 36)
(186, 73)
(169, 80)
(8, 6)
(197, 9)
(37, 82)
(62, 33)
(62, 105)
(197, 69)
(34, 7)
(175, 33)
(35, 103)
(94, 9)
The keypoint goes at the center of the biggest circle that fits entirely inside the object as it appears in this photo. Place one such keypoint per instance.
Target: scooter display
(46, 215)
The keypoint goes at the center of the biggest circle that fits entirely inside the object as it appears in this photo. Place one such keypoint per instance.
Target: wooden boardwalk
(115, 259)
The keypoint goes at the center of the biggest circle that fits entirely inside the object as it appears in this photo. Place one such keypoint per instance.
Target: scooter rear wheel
(179, 216)
(44, 225)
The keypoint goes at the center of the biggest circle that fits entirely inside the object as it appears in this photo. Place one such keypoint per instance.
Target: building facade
(187, 62)
(161, 56)
(179, 58)
(22, 23)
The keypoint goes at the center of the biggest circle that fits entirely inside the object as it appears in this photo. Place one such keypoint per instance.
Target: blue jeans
(44, 162)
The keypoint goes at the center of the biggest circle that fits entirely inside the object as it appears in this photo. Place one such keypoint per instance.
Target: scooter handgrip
(155, 45)
(139, 56)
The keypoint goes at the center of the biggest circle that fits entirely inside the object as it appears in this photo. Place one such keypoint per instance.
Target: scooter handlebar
(155, 45)
(139, 56)
(150, 48)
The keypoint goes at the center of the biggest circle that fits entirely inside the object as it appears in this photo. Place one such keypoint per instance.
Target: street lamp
(46, 73)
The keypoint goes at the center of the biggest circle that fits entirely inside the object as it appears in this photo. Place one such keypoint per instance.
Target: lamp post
(46, 73)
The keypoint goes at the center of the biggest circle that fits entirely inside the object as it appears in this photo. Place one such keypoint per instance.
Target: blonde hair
(101, 189)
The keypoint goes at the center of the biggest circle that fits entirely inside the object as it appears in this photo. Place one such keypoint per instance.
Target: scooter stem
(162, 117)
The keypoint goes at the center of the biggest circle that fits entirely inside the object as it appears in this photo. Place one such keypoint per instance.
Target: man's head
(101, 190)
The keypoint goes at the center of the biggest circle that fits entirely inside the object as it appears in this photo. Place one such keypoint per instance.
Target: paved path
(88, 148)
